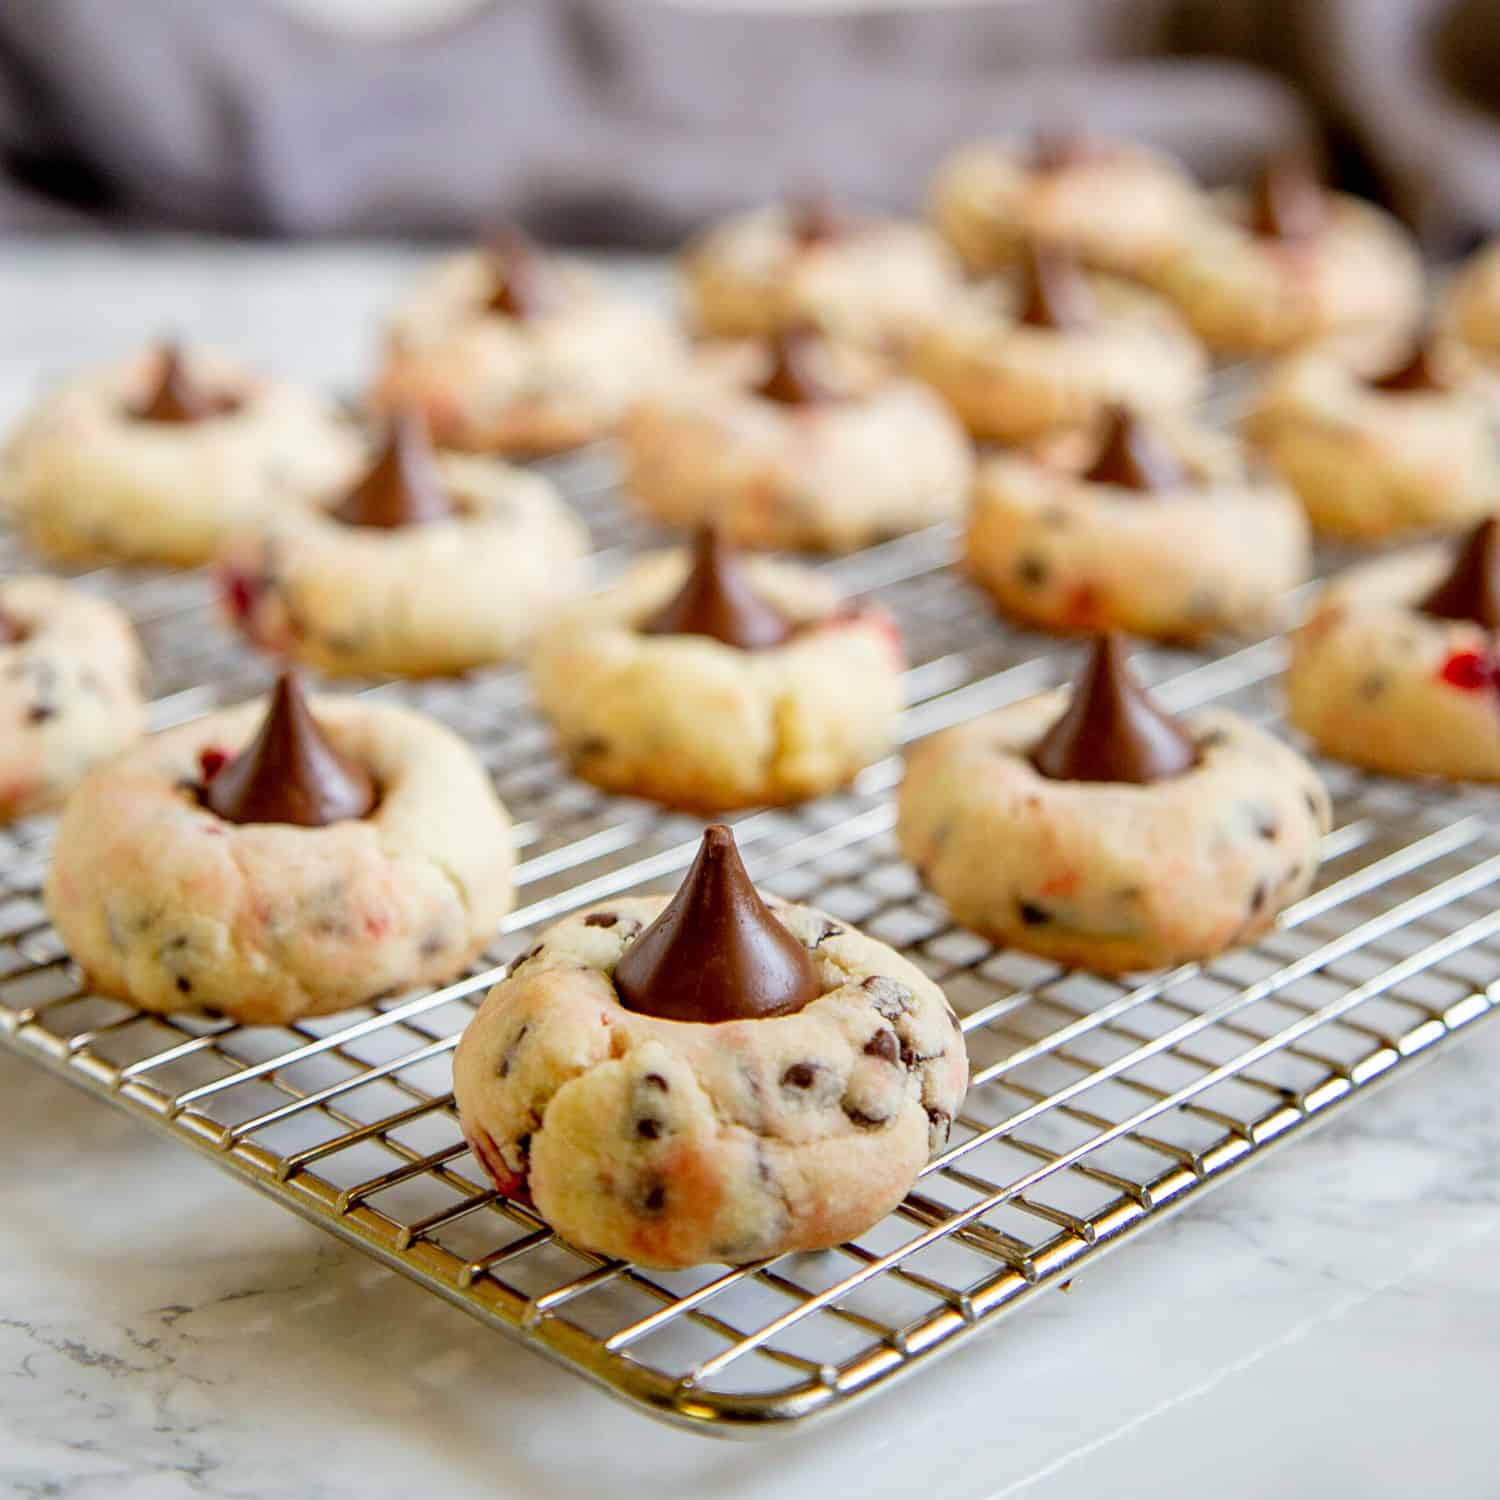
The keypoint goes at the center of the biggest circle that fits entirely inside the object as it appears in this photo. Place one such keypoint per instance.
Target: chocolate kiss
(716, 952)
(175, 398)
(1418, 373)
(1111, 730)
(524, 284)
(815, 219)
(794, 378)
(402, 487)
(1287, 201)
(1054, 293)
(1134, 456)
(717, 599)
(290, 772)
(1471, 591)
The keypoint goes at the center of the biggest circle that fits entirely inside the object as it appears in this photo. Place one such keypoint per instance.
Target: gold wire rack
(1097, 1106)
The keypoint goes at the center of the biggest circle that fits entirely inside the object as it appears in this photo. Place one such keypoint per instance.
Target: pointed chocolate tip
(174, 398)
(817, 218)
(524, 285)
(1287, 201)
(1054, 292)
(1056, 148)
(1471, 591)
(796, 377)
(716, 952)
(718, 600)
(402, 487)
(290, 772)
(1111, 730)
(1134, 456)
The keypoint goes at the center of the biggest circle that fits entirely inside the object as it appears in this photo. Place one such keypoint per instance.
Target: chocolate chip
(889, 998)
(800, 1076)
(1372, 685)
(655, 1199)
(432, 945)
(39, 713)
(1211, 739)
(525, 958)
(883, 1045)
(1259, 896)
(648, 1129)
(1032, 571)
(184, 985)
(939, 1119)
(503, 1071)
(1268, 828)
(860, 1118)
(830, 929)
(593, 745)
(654, 1081)
(601, 919)
(1033, 915)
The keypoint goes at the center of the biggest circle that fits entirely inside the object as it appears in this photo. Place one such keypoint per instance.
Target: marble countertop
(1326, 1324)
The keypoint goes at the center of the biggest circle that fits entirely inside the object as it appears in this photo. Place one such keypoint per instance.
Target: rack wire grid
(1097, 1107)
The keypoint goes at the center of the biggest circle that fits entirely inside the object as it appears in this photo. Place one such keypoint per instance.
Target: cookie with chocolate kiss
(1471, 591)
(402, 487)
(1134, 456)
(175, 400)
(1054, 291)
(716, 953)
(525, 286)
(1111, 730)
(290, 772)
(718, 600)
(1287, 201)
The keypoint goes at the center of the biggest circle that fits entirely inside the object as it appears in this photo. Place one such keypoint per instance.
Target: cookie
(1023, 356)
(383, 863)
(1210, 546)
(160, 457)
(1396, 668)
(1087, 828)
(70, 690)
(667, 708)
(507, 352)
(869, 282)
(677, 1141)
(780, 457)
(1291, 266)
(461, 584)
(1471, 308)
(1116, 206)
(1415, 450)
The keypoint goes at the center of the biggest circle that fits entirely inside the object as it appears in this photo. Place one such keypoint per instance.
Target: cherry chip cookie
(1170, 533)
(807, 445)
(281, 860)
(1090, 828)
(429, 564)
(870, 282)
(160, 457)
(1396, 668)
(70, 690)
(707, 682)
(714, 1077)
(509, 351)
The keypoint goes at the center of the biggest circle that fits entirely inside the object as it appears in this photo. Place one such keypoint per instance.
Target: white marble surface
(1326, 1325)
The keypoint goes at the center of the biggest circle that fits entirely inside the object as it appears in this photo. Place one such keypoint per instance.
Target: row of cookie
(710, 1077)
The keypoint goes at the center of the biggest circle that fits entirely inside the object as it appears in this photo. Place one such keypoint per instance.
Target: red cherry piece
(211, 762)
(1468, 670)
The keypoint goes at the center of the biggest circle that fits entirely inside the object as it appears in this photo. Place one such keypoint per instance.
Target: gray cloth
(610, 121)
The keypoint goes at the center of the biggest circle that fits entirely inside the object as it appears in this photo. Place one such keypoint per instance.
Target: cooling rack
(1097, 1107)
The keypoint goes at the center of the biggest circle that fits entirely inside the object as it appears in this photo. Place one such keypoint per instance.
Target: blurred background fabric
(629, 122)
